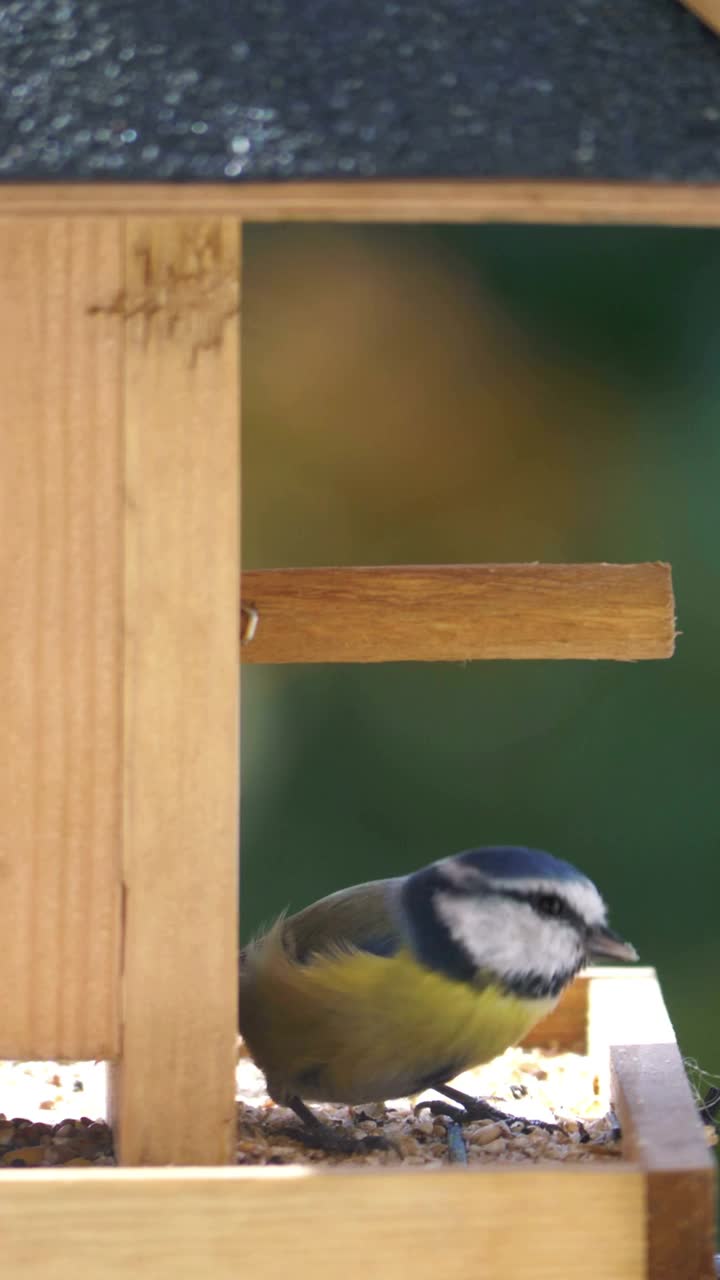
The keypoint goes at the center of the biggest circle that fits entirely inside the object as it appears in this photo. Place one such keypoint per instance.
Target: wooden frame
(119, 372)
(649, 1214)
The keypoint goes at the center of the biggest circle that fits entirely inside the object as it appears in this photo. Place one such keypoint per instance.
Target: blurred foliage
(479, 394)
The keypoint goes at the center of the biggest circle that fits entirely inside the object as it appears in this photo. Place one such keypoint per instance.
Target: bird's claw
(437, 1107)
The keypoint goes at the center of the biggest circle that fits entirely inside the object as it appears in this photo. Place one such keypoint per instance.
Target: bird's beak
(601, 941)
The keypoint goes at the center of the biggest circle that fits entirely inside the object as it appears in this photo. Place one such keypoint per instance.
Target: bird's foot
(470, 1108)
(479, 1109)
(315, 1133)
(335, 1141)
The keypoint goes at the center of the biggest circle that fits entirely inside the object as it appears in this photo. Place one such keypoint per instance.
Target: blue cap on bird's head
(510, 861)
(510, 914)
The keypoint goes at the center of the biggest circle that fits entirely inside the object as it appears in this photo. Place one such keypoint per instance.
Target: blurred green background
(486, 394)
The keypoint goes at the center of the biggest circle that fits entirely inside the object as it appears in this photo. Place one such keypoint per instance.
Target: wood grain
(661, 1128)
(60, 639)
(159, 1224)
(452, 613)
(430, 200)
(174, 1100)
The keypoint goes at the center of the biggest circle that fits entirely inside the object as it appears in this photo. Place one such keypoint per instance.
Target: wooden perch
(451, 613)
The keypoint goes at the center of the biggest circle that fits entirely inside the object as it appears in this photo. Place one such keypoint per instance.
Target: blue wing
(362, 917)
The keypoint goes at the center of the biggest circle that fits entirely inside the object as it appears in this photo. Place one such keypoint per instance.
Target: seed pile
(42, 1121)
(55, 1114)
(562, 1087)
(27, 1143)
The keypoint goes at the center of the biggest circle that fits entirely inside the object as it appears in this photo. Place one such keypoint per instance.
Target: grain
(530, 1084)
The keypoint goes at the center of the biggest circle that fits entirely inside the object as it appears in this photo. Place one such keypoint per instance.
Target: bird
(388, 988)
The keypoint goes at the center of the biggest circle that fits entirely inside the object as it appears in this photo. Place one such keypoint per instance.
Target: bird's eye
(548, 904)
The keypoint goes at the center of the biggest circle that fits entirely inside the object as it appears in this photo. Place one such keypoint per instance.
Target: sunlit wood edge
(200, 1174)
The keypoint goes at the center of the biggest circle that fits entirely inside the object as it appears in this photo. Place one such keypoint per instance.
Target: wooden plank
(661, 1128)
(429, 200)
(451, 613)
(275, 1223)
(60, 639)
(174, 1098)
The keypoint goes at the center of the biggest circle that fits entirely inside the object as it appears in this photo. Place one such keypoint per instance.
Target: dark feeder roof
(242, 90)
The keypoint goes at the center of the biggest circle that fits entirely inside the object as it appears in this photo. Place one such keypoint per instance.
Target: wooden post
(174, 1095)
(60, 638)
(661, 1128)
(119, 672)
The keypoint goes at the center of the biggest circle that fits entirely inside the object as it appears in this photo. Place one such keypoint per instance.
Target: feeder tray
(135, 147)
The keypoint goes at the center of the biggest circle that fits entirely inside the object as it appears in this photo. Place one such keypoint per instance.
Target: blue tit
(388, 988)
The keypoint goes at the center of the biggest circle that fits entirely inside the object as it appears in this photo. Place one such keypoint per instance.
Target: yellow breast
(354, 1027)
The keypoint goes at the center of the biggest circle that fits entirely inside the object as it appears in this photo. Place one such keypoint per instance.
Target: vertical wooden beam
(60, 638)
(630, 1024)
(174, 1099)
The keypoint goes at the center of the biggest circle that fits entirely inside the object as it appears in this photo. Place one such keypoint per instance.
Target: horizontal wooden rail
(409, 200)
(176, 1224)
(452, 613)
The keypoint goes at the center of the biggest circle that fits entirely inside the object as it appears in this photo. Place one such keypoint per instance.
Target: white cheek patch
(509, 937)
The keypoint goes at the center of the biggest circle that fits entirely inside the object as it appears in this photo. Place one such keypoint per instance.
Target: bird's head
(515, 916)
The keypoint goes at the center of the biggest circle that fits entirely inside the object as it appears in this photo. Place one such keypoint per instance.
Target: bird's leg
(479, 1109)
(317, 1134)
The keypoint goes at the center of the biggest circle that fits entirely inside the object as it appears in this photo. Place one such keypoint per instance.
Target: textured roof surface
(235, 90)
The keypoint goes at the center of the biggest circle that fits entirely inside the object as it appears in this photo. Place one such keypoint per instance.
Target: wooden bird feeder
(133, 148)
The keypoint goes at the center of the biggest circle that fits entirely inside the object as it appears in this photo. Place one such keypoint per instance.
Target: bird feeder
(135, 142)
